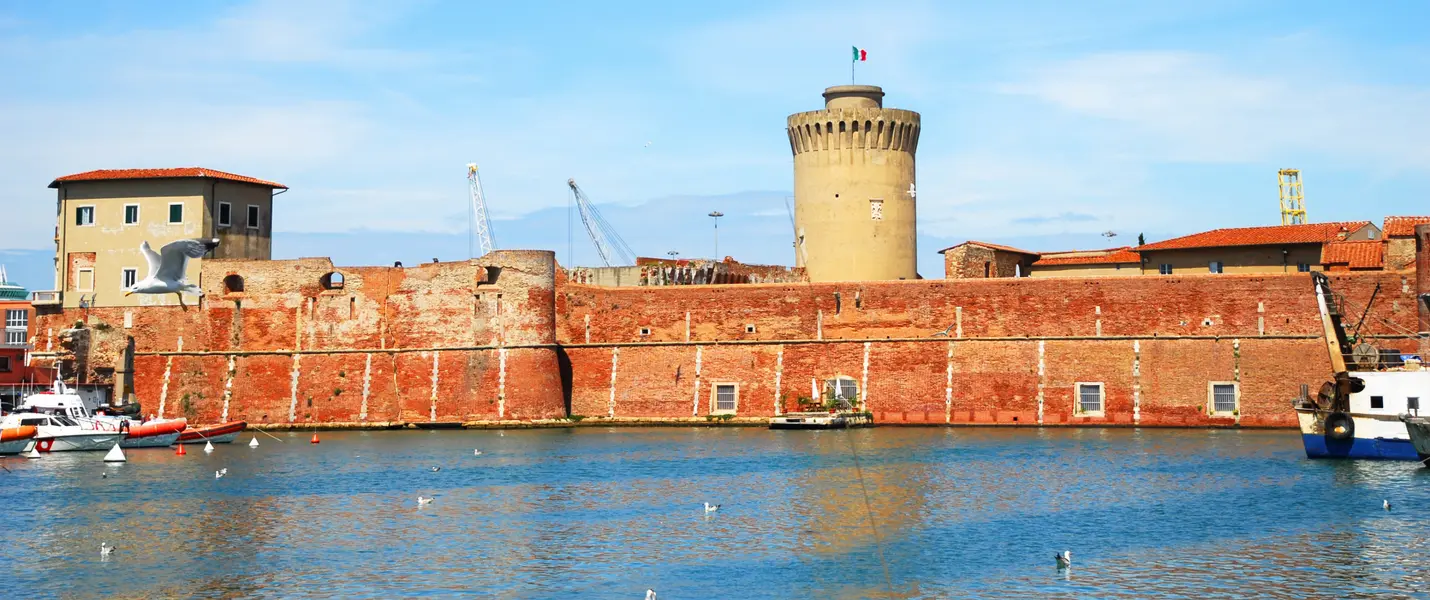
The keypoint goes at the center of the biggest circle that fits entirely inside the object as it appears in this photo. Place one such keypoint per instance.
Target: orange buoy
(315, 438)
(180, 451)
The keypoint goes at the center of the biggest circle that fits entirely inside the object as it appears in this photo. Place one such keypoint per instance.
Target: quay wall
(508, 337)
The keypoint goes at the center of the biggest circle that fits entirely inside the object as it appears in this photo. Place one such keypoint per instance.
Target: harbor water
(607, 513)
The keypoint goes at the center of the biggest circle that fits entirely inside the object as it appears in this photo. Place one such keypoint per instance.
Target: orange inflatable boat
(157, 428)
(14, 440)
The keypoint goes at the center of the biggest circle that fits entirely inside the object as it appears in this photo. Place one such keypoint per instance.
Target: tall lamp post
(673, 254)
(715, 215)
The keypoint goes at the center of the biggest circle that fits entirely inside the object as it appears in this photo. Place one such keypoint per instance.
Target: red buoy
(315, 437)
(180, 451)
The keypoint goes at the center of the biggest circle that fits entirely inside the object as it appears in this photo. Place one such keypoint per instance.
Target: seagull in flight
(424, 501)
(710, 508)
(167, 268)
(1064, 559)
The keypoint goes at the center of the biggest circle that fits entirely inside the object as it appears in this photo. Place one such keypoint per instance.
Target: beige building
(105, 215)
(1110, 262)
(1270, 249)
(1399, 235)
(854, 194)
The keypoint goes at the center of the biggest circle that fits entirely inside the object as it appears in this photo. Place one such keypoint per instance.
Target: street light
(672, 254)
(715, 215)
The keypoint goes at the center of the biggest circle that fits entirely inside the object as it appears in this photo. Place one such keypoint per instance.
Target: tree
(1141, 241)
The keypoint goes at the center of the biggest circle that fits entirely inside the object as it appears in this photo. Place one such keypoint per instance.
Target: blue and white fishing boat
(1358, 414)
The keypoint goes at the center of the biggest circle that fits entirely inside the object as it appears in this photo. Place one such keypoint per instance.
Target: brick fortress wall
(507, 337)
(435, 342)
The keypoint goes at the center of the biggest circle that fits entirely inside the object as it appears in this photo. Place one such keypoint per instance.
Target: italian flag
(860, 54)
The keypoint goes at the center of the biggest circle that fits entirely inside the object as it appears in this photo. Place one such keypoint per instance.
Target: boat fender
(1340, 426)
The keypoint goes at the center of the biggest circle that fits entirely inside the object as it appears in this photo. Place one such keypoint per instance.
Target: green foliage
(576, 418)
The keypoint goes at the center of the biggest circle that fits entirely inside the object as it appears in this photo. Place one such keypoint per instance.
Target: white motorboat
(61, 401)
(58, 433)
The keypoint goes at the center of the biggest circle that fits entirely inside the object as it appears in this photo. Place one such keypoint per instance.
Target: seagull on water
(424, 501)
(1385, 504)
(105, 549)
(1064, 559)
(435, 469)
(167, 268)
(477, 452)
(650, 594)
(710, 508)
(218, 474)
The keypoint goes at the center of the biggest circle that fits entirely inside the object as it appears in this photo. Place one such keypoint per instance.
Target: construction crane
(481, 223)
(608, 243)
(1293, 201)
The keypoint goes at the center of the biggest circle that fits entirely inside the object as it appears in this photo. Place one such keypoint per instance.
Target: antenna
(1293, 201)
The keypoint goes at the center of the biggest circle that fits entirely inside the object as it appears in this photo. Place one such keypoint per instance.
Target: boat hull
(1376, 437)
(15, 446)
(158, 440)
(1419, 430)
(218, 434)
(79, 442)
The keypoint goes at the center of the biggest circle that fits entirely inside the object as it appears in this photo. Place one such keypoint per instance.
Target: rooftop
(10, 291)
(1402, 226)
(1363, 254)
(1309, 233)
(180, 172)
(1106, 256)
(990, 247)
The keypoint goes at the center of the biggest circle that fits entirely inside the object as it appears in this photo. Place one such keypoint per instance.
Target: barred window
(843, 387)
(1089, 397)
(726, 397)
(1224, 397)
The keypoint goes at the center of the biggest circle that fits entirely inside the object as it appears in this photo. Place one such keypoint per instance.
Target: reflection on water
(607, 513)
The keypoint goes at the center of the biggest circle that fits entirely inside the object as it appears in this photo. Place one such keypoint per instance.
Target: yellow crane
(1293, 200)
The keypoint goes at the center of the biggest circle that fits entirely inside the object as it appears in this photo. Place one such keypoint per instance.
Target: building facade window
(1089, 399)
(1303, 267)
(4, 364)
(253, 214)
(843, 390)
(724, 398)
(1214, 266)
(17, 318)
(84, 280)
(84, 216)
(15, 338)
(225, 214)
(131, 214)
(176, 213)
(1164, 269)
(129, 277)
(1224, 397)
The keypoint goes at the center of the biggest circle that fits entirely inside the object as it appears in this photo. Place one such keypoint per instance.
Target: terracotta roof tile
(1402, 226)
(1365, 254)
(1109, 256)
(990, 247)
(1309, 233)
(117, 174)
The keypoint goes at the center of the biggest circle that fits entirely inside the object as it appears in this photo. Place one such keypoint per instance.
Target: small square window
(1303, 268)
(724, 398)
(1377, 401)
(131, 214)
(176, 213)
(1089, 398)
(225, 214)
(253, 212)
(130, 276)
(1412, 403)
(1223, 398)
(84, 216)
(1165, 269)
(750, 328)
(1214, 267)
(645, 331)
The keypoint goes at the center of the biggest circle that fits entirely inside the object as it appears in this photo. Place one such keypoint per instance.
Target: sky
(1045, 124)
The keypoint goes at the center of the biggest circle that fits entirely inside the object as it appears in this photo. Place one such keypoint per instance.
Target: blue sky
(1044, 123)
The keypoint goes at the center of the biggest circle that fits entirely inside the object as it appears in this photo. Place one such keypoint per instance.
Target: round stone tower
(854, 187)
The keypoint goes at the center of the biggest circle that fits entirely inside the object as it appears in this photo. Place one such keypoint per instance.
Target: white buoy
(254, 443)
(34, 453)
(115, 454)
(209, 446)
